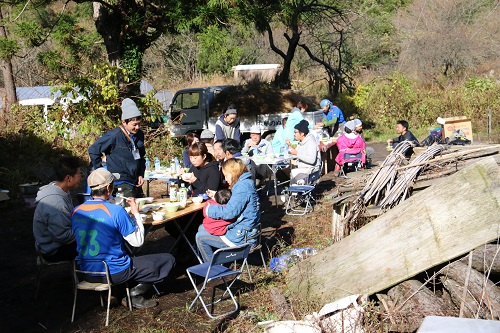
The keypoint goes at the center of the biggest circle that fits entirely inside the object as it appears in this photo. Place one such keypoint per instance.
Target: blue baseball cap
(324, 103)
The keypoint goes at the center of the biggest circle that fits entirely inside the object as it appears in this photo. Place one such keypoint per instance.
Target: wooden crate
(456, 123)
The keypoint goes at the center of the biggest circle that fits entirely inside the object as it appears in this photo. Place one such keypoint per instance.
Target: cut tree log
(484, 291)
(455, 289)
(436, 225)
(486, 259)
(412, 302)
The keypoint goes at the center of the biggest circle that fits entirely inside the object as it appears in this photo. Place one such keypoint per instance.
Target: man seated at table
(258, 146)
(232, 149)
(103, 228)
(307, 153)
(404, 135)
(54, 238)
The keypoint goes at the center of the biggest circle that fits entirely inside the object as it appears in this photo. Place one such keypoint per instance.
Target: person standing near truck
(124, 150)
(228, 126)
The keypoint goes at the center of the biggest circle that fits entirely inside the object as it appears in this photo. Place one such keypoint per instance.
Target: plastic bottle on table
(177, 165)
(173, 170)
(157, 164)
(148, 165)
(183, 193)
(173, 193)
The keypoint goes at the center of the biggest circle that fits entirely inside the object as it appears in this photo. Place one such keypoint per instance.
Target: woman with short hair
(205, 171)
(244, 206)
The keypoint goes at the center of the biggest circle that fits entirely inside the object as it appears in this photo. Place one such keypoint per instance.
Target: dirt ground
(51, 311)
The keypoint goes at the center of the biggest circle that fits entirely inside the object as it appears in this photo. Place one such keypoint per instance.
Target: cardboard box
(456, 123)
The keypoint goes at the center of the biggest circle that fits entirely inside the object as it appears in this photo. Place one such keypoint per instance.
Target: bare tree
(447, 37)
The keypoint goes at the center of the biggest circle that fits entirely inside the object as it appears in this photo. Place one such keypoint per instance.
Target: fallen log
(412, 302)
(436, 225)
(481, 288)
(486, 259)
(471, 307)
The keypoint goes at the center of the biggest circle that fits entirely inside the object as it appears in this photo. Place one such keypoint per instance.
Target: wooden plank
(451, 218)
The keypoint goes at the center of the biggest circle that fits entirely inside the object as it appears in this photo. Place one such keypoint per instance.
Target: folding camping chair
(214, 270)
(351, 162)
(300, 198)
(80, 284)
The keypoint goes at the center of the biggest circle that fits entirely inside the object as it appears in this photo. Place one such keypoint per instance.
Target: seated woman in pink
(349, 143)
(213, 226)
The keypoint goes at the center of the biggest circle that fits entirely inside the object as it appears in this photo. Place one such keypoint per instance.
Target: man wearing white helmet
(333, 118)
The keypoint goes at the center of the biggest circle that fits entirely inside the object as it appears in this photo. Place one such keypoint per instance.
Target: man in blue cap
(333, 118)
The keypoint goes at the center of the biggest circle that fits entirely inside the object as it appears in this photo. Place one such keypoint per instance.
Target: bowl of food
(197, 200)
(187, 176)
(294, 144)
(158, 216)
(259, 157)
(141, 201)
(171, 207)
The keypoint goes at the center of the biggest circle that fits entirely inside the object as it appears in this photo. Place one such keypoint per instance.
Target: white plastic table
(275, 164)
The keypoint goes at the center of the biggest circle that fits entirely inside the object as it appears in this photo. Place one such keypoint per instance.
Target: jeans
(206, 242)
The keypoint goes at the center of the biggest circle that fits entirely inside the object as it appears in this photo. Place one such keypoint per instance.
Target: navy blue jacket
(119, 158)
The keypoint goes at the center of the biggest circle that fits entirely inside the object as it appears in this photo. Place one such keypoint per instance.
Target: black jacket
(208, 178)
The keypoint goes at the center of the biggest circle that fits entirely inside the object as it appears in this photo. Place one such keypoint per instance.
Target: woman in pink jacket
(349, 143)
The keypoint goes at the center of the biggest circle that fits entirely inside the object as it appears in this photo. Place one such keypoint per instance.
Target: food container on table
(158, 216)
(171, 207)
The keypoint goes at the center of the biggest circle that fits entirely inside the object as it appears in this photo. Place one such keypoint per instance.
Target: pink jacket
(213, 226)
(350, 146)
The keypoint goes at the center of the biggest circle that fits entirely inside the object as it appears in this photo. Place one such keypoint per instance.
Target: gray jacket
(308, 153)
(52, 219)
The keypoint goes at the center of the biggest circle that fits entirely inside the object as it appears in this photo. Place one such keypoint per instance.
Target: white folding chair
(214, 270)
(80, 283)
(300, 199)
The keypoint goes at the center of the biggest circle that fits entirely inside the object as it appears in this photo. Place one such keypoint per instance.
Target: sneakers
(139, 302)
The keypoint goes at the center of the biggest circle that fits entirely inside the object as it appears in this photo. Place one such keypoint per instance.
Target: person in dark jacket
(124, 150)
(228, 126)
(205, 171)
(404, 135)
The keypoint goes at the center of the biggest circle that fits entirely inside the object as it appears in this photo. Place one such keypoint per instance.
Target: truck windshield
(186, 101)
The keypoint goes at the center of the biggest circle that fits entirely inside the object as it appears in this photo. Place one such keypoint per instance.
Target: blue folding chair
(351, 162)
(214, 270)
(300, 198)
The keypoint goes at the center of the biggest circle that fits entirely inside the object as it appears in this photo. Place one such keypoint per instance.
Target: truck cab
(190, 109)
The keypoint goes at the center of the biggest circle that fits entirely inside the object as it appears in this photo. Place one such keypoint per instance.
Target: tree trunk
(283, 80)
(111, 26)
(8, 78)
(411, 302)
(486, 259)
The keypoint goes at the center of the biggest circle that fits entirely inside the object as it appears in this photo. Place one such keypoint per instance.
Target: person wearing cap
(333, 118)
(349, 143)
(307, 153)
(256, 145)
(190, 139)
(207, 137)
(124, 150)
(54, 237)
(358, 128)
(104, 229)
(228, 126)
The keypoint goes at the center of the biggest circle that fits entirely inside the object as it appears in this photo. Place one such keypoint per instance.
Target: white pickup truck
(193, 107)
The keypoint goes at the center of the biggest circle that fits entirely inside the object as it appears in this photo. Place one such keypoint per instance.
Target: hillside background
(378, 60)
